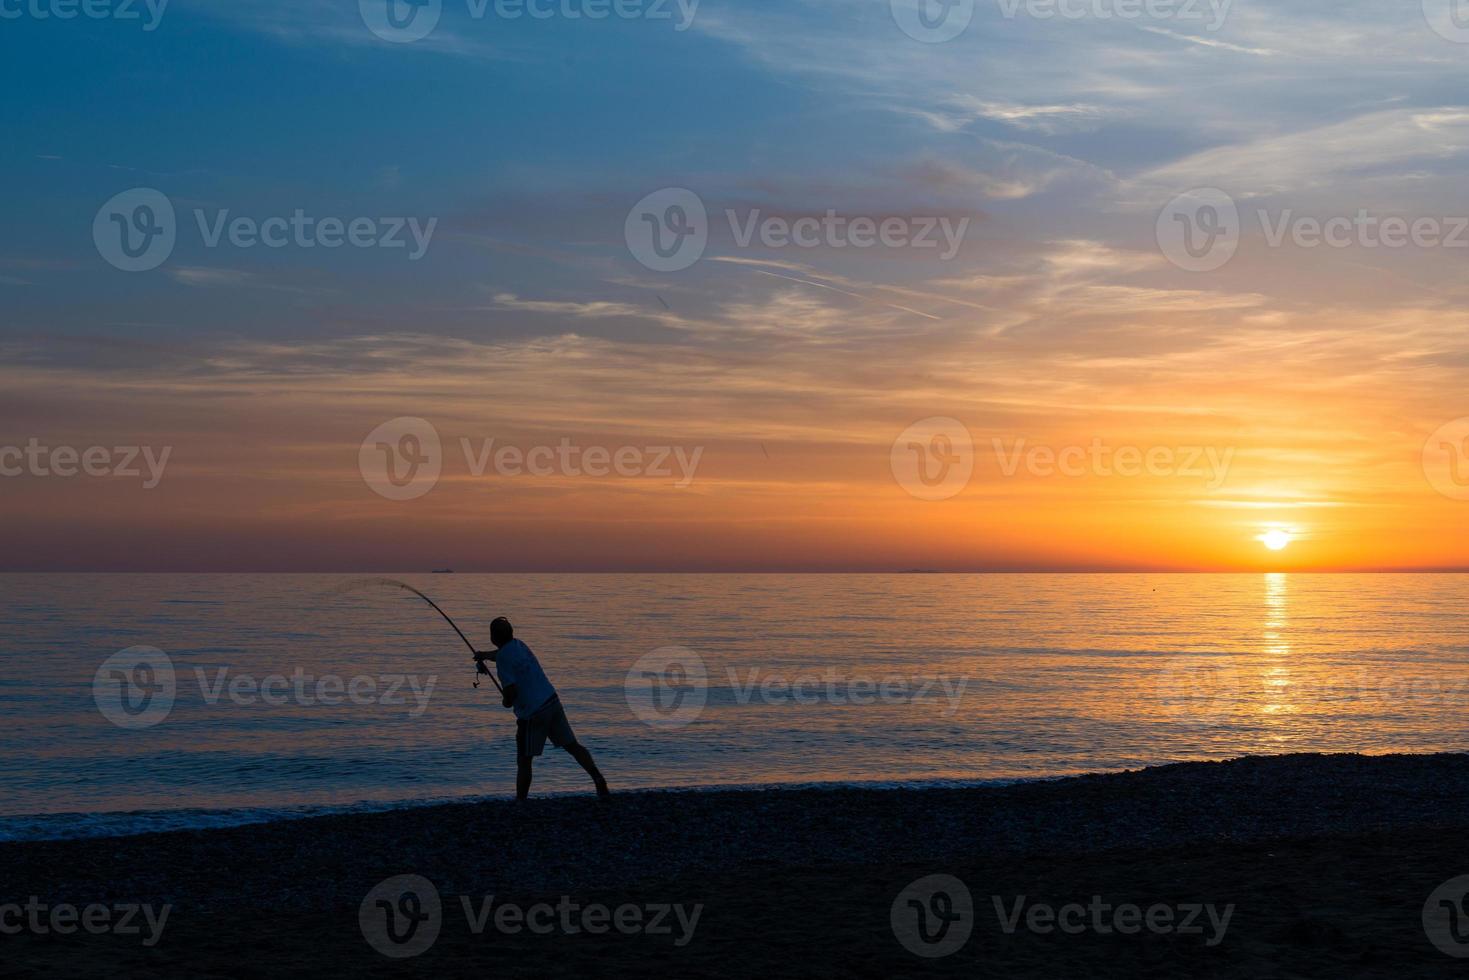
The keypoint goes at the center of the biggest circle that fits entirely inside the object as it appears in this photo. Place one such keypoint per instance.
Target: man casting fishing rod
(524, 687)
(538, 711)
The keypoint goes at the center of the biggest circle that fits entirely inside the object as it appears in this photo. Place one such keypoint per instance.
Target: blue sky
(538, 134)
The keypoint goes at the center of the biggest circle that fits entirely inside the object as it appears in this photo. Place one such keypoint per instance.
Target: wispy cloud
(1209, 42)
(1357, 147)
(198, 276)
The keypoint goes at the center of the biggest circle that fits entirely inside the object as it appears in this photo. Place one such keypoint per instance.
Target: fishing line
(394, 583)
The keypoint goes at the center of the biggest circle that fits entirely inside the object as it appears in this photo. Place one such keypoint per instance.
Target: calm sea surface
(772, 679)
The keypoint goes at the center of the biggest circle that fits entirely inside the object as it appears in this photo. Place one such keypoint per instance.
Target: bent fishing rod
(404, 585)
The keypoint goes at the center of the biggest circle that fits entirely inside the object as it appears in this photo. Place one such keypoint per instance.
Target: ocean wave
(73, 826)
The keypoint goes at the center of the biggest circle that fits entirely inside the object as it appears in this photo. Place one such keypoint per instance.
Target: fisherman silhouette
(538, 711)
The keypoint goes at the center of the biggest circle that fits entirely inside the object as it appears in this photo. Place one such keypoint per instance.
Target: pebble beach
(1324, 863)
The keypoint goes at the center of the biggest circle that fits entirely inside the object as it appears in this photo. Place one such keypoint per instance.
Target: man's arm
(507, 694)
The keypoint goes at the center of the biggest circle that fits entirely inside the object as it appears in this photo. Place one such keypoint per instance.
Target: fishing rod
(404, 585)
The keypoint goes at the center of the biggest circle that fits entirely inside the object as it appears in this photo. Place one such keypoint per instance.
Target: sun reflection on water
(1276, 677)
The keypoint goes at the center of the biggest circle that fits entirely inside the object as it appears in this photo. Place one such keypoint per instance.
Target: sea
(135, 703)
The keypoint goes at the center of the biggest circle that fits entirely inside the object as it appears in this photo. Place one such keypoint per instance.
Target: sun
(1276, 539)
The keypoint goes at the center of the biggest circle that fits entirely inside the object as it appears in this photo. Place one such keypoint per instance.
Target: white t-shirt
(517, 665)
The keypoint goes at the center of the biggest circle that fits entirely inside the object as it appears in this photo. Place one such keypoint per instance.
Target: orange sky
(795, 467)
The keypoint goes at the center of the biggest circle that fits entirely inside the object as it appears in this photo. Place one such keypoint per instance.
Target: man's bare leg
(522, 777)
(583, 757)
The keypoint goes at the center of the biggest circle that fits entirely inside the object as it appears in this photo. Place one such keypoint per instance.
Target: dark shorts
(549, 721)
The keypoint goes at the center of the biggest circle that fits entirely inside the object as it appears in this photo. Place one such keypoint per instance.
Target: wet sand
(1326, 861)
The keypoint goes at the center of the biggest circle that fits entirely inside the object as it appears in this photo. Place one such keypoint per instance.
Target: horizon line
(1063, 570)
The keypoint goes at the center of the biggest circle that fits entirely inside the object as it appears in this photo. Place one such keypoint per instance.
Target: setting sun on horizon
(787, 491)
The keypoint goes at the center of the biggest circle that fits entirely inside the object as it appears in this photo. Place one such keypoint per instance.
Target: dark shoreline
(1328, 859)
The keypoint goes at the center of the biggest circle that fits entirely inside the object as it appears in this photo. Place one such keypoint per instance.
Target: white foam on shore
(73, 826)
